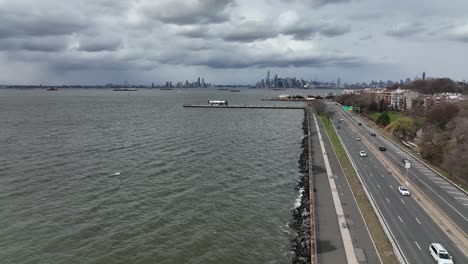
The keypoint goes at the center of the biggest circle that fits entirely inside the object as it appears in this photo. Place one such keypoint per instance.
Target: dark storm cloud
(19, 20)
(39, 44)
(195, 32)
(334, 30)
(319, 3)
(230, 57)
(38, 26)
(249, 32)
(290, 25)
(99, 45)
(299, 31)
(44, 46)
(187, 12)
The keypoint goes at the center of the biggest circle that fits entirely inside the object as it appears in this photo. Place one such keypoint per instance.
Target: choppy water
(195, 185)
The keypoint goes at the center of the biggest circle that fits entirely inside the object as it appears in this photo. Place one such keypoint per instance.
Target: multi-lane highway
(413, 229)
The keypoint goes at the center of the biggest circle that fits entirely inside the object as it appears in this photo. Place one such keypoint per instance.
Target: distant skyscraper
(424, 76)
(203, 82)
(268, 79)
(338, 82)
(198, 82)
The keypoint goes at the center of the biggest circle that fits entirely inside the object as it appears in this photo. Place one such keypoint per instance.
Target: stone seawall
(301, 215)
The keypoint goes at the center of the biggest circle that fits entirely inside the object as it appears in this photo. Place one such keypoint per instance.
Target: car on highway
(342, 119)
(338, 127)
(358, 138)
(372, 134)
(359, 124)
(382, 148)
(440, 255)
(403, 191)
(362, 154)
(405, 160)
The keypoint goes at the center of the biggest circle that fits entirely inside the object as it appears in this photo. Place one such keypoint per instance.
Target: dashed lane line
(418, 245)
(418, 220)
(448, 187)
(400, 219)
(402, 201)
(459, 193)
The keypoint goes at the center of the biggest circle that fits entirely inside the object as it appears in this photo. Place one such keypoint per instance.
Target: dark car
(359, 124)
(372, 134)
(338, 127)
(382, 148)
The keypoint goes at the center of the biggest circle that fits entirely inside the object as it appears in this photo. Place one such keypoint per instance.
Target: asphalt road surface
(413, 229)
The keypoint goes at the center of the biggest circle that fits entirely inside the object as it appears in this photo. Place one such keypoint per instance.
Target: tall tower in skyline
(424, 76)
(268, 79)
(338, 82)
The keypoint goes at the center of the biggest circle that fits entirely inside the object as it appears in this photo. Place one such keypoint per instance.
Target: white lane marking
(391, 187)
(402, 201)
(418, 220)
(439, 181)
(445, 183)
(378, 186)
(417, 245)
(388, 201)
(448, 187)
(400, 219)
(459, 193)
(382, 175)
(438, 195)
(459, 198)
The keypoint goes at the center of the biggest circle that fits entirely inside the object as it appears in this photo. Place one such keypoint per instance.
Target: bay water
(97, 176)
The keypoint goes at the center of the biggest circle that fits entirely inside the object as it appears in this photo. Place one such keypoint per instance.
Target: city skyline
(229, 41)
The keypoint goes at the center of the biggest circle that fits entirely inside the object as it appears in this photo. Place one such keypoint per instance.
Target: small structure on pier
(217, 103)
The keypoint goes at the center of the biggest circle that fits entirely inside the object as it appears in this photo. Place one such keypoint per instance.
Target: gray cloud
(18, 19)
(459, 32)
(330, 30)
(186, 12)
(405, 30)
(81, 38)
(38, 44)
(319, 3)
(249, 31)
(45, 46)
(97, 45)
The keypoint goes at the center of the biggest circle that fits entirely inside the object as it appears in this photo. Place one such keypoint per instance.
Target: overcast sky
(230, 41)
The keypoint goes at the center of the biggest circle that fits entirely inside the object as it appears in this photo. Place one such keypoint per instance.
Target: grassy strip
(393, 116)
(381, 242)
(435, 167)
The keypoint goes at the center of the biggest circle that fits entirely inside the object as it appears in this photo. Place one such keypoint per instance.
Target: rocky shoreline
(301, 214)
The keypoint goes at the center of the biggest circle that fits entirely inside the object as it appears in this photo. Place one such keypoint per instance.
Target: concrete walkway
(342, 235)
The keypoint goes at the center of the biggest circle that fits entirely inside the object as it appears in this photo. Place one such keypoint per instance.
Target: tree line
(439, 128)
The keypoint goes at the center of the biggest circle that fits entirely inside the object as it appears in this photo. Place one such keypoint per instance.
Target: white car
(358, 138)
(403, 191)
(440, 255)
(362, 154)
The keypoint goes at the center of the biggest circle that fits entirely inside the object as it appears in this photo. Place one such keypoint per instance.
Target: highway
(413, 229)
